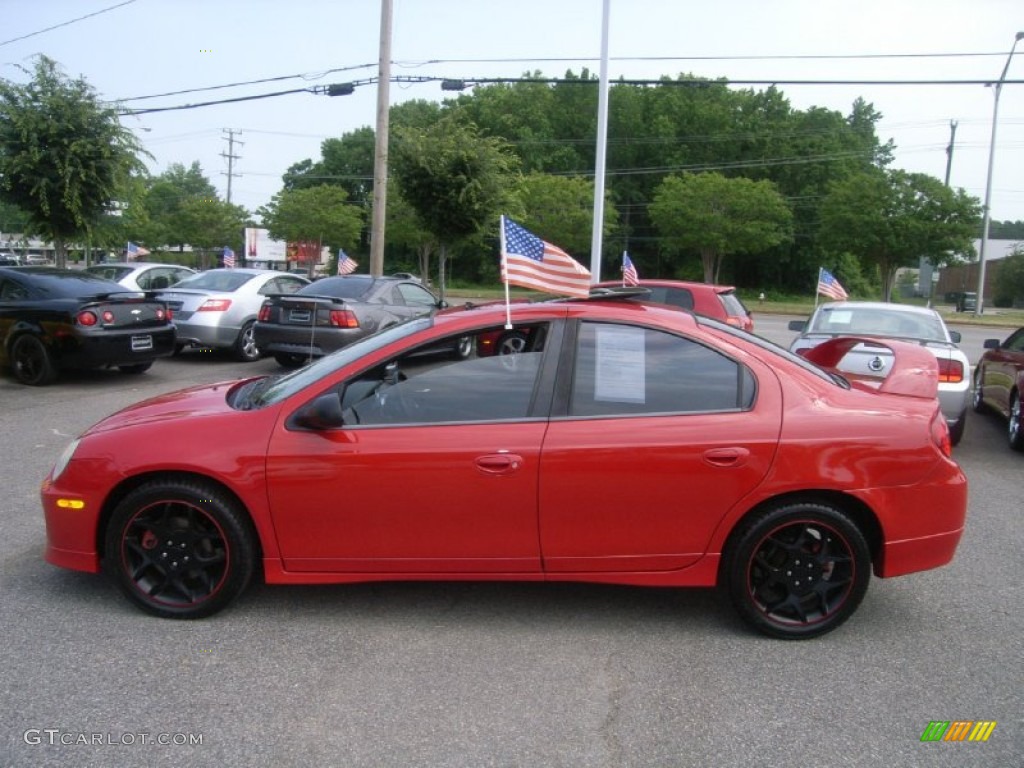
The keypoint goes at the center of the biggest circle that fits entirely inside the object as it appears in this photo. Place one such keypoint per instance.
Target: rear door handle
(727, 457)
(499, 463)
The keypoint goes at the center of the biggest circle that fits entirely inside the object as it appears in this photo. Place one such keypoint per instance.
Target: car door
(658, 438)
(1003, 368)
(435, 471)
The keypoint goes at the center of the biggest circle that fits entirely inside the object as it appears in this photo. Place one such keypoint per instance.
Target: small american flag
(829, 286)
(629, 274)
(530, 262)
(229, 258)
(346, 264)
(135, 251)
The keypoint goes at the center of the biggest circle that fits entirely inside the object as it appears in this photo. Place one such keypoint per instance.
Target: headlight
(65, 457)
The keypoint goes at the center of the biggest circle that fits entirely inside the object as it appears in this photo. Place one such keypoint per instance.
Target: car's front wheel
(1015, 430)
(245, 345)
(978, 395)
(31, 361)
(180, 549)
(797, 571)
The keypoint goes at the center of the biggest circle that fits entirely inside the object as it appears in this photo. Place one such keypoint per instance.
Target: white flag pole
(504, 269)
(597, 230)
(816, 288)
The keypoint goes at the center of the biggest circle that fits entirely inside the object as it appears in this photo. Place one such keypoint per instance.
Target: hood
(914, 371)
(192, 403)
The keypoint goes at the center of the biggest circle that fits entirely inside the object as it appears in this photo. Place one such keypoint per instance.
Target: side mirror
(323, 413)
(797, 325)
(991, 344)
(955, 336)
(442, 304)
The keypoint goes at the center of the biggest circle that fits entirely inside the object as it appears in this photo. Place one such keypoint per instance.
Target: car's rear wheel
(245, 345)
(136, 367)
(180, 549)
(31, 361)
(286, 360)
(797, 571)
(1014, 430)
(978, 395)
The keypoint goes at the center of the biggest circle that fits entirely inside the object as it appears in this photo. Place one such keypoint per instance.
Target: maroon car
(717, 301)
(999, 381)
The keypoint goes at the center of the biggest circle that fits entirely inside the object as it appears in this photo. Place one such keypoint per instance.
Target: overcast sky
(149, 47)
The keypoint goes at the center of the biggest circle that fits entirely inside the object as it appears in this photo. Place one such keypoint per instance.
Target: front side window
(628, 370)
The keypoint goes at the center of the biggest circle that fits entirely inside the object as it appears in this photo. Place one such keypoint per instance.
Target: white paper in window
(620, 368)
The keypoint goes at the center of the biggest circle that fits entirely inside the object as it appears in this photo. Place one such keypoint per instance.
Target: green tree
(456, 180)
(718, 216)
(406, 231)
(64, 156)
(165, 198)
(210, 224)
(890, 219)
(561, 209)
(1010, 286)
(315, 213)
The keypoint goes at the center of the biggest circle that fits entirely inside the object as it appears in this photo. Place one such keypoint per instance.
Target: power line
(750, 57)
(66, 23)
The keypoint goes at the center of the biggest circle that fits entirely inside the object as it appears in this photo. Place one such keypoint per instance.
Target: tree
(315, 213)
(1010, 286)
(406, 230)
(891, 219)
(718, 216)
(455, 179)
(64, 156)
(210, 224)
(561, 209)
(164, 200)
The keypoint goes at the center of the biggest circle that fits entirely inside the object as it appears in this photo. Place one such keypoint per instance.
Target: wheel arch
(860, 513)
(129, 484)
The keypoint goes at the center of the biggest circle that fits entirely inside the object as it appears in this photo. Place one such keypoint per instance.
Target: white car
(218, 308)
(142, 276)
(893, 321)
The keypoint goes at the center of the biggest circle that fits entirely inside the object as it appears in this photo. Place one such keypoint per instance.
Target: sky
(133, 48)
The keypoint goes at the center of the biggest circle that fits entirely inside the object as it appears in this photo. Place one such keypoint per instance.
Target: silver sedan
(217, 309)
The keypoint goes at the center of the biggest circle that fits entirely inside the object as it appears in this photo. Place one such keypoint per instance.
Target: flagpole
(504, 268)
(816, 288)
(597, 227)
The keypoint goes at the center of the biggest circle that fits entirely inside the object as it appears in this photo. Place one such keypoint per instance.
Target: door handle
(499, 463)
(726, 457)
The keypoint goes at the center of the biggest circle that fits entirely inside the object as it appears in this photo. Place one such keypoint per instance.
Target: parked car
(335, 311)
(51, 319)
(966, 302)
(878, 320)
(631, 444)
(717, 301)
(9, 259)
(142, 276)
(999, 383)
(217, 309)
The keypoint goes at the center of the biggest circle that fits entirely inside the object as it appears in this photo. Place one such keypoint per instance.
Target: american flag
(830, 287)
(134, 251)
(629, 274)
(530, 262)
(229, 258)
(346, 264)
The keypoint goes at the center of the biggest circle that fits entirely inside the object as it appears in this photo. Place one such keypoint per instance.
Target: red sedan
(628, 443)
(718, 301)
(999, 383)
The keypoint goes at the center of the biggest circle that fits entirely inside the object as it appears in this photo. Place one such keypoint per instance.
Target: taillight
(734, 321)
(803, 352)
(214, 305)
(160, 314)
(951, 371)
(108, 316)
(940, 434)
(87, 318)
(344, 318)
(264, 315)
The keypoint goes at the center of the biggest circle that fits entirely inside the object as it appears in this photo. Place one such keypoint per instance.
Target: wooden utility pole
(380, 162)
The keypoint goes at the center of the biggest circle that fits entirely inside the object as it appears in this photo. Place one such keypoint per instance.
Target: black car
(60, 318)
(335, 311)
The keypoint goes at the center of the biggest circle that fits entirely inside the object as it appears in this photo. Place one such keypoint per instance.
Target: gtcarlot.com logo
(958, 730)
(55, 736)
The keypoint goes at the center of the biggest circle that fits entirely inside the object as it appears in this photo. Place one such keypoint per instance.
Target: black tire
(464, 348)
(1014, 428)
(978, 395)
(31, 361)
(286, 360)
(180, 549)
(135, 368)
(797, 571)
(956, 432)
(245, 345)
(178, 349)
(512, 343)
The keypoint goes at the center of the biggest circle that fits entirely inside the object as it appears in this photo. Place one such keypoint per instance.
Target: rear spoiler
(307, 297)
(914, 373)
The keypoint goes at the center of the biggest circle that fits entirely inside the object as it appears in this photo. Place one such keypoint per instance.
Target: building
(960, 278)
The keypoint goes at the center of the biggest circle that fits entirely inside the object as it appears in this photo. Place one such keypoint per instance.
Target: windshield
(288, 385)
(873, 321)
(224, 281)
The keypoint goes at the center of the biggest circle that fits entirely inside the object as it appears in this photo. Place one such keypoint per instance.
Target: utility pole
(231, 157)
(380, 162)
(949, 149)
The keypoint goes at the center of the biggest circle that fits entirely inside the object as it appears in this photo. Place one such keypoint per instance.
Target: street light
(988, 182)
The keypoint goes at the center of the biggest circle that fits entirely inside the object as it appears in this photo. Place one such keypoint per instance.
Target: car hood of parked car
(191, 403)
(914, 372)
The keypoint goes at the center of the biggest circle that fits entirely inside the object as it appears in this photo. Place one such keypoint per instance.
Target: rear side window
(677, 297)
(733, 306)
(626, 370)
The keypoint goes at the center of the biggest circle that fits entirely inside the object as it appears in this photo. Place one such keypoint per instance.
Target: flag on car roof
(134, 251)
(629, 274)
(829, 286)
(530, 262)
(229, 258)
(346, 264)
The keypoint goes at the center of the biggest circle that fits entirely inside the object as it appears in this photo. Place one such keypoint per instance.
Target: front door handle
(499, 463)
(727, 457)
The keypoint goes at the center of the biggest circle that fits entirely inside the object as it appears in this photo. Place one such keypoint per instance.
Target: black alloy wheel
(31, 361)
(797, 571)
(180, 549)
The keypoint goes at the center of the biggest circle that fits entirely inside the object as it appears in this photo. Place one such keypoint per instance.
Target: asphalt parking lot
(435, 674)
